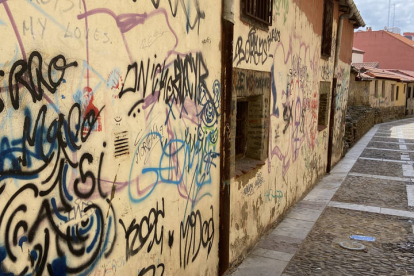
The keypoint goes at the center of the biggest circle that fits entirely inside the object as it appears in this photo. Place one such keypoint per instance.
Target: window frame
(257, 16)
(376, 89)
(383, 89)
(396, 94)
(323, 115)
(241, 125)
(327, 28)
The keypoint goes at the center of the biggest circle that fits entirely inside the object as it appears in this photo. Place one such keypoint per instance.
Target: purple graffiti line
(16, 31)
(127, 22)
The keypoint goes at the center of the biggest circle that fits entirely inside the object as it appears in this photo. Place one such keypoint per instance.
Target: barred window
(258, 10)
(323, 113)
(327, 27)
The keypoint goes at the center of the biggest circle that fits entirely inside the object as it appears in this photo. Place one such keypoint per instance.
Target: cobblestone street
(369, 195)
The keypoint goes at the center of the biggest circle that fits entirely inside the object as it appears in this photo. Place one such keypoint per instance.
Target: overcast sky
(375, 14)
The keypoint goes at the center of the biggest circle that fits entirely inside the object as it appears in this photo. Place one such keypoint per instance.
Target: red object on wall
(392, 51)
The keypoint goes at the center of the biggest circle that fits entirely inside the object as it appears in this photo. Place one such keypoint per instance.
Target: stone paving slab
(382, 154)
(261, 266)
(396, 140)
(311, 205)
(293, 228)
(390, 254)
(305, 214)
(280, 243)
(388, 146)
(378, 168)
(272, 254)
(374, 192)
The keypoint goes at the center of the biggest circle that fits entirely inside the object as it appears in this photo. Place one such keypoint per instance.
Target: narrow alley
(369, 195)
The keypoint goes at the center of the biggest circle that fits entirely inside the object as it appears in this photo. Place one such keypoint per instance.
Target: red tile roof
(357, 50)
(404, 72)
(366, 65)
(401, 38)
(388, 74)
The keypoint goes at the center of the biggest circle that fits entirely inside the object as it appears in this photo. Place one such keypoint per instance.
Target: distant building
(389, 49)
(409, 105)
(357, 55)
(394, 30)
(388, 90)
(365, 65)
(409, 36)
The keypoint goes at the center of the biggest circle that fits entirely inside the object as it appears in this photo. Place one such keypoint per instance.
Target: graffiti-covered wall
(290, 50)
(109, 150)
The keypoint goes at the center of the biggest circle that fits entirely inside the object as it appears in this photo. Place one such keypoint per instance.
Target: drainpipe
(339, 32)
(227, 32)
(228, 10)
(334, 81)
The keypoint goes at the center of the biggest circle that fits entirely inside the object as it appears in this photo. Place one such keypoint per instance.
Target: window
(259, 11)
(383, 89)
(376, 89)
(327, 28)
(409, 93)
(392, 91)
(398, 90)
(241, 123)
(325, 87)
(252, 113)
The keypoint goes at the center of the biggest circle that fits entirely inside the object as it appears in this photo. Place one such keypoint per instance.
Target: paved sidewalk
(369, 193)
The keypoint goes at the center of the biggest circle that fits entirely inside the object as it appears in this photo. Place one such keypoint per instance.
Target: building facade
(357, 55)
(163, 137)
(392, 51)
(384, 90)
(109, 163)
(295, 113)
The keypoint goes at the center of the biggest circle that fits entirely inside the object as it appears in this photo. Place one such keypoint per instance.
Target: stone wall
(360, 119)
(358, 91)
(391, 113)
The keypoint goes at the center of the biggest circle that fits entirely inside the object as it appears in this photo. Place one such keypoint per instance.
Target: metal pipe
(339, 37)
(353, 11)
(226, 170)
(357, 15)
(228, 10)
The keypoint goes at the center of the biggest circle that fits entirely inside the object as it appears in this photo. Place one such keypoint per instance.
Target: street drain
(352, 245)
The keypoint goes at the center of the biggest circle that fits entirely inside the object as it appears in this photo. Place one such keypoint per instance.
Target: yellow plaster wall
(383, 102)
(297, 150)
(402, 94)
(410, 101)
(107, 168)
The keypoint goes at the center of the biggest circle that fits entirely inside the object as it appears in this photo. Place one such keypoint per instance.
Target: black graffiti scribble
(186, 79)
(187, 11)
(148, 226)
(287, 115)
(255, 49)
(195, 233)
(51, 150)
(21, 74)
(152, 268)
(170, 238)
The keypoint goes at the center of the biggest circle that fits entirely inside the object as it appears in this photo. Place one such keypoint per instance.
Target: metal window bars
(261, 10)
